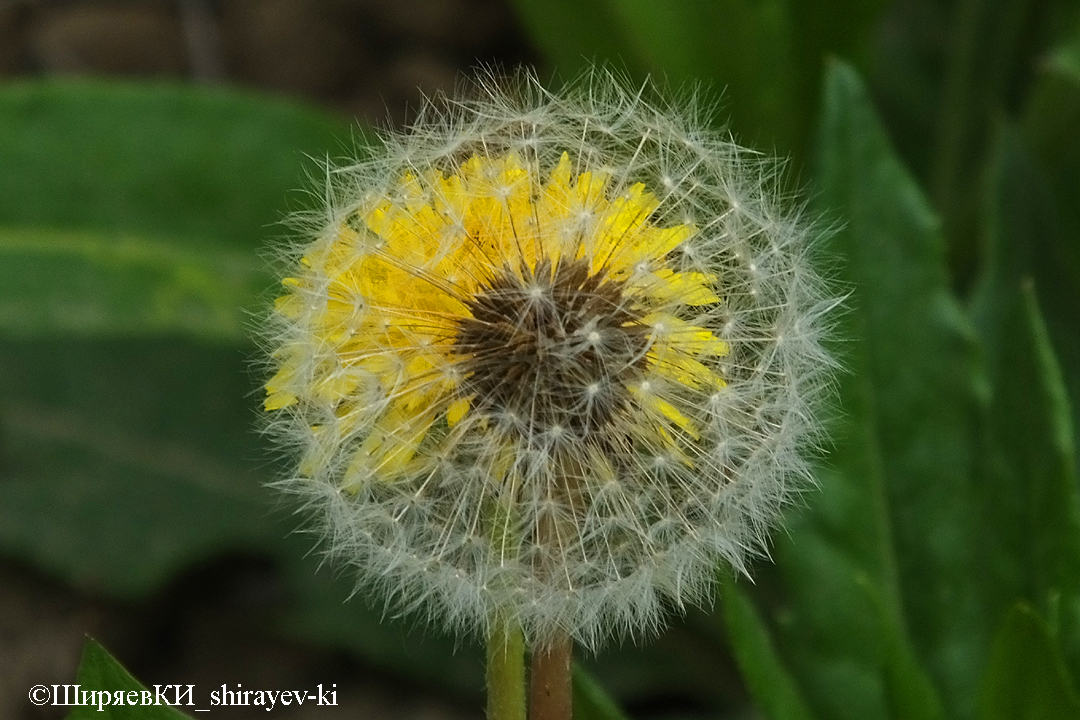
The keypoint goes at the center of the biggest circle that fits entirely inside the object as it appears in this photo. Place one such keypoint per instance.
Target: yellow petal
(456, 411)
(278, 400)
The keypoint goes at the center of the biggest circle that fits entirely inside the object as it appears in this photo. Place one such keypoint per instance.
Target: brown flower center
(551, 349)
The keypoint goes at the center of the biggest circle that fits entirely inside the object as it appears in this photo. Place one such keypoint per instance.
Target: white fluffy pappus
(550, 356)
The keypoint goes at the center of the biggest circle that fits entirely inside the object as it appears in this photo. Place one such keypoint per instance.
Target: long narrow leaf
(886, 555)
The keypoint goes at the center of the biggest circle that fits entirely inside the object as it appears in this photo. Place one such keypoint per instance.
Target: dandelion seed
(532, 360)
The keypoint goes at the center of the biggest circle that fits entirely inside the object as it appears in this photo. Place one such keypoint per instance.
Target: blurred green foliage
(132, 218)
(934, 574)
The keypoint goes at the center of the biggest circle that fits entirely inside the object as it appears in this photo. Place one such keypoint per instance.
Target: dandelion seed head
(551, 356)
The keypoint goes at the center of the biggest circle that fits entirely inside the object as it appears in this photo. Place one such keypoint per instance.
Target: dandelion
(549, 359)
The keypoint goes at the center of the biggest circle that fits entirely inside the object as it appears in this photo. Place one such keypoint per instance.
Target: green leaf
(907, 687)
(769, 682)
(129, 221)
(744, 47)
(906, 78)
(157, 161)
(1053, 487)
(125, 462)
(574, 33)
(87, 284)
(990, 53)
(914, 391)
(1052, 255)
(1026, 679)
(590, 700)
(1065, 60)
(765, 57)
(1032, 493)
(879, 576)
(99, 670)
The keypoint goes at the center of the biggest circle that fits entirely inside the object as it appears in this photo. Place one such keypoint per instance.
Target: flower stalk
(505, 671)
(550, 680)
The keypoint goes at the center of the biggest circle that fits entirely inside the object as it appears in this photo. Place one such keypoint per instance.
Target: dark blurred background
(366, 58)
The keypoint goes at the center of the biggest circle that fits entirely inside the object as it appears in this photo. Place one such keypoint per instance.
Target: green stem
(505, 671)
